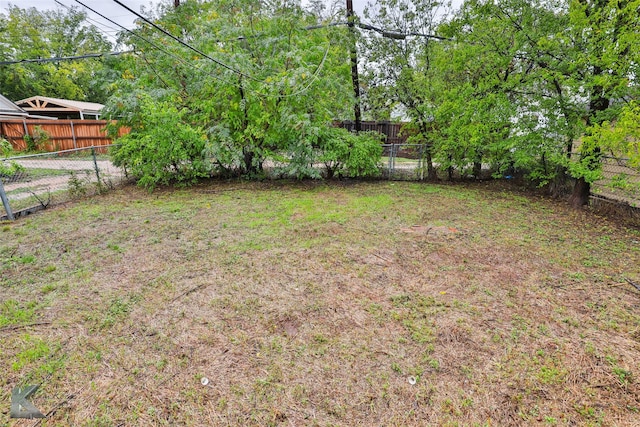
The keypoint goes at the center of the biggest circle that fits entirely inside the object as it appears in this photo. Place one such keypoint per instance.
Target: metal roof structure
(9, 110)
(61, 108)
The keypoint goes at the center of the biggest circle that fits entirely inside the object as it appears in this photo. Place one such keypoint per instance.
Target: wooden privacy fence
(60, 134)
(390, 129)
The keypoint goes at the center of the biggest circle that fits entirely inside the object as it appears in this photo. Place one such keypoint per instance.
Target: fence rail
(56, 135)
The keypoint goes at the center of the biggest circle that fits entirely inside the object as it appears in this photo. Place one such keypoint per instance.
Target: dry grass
(313, 304)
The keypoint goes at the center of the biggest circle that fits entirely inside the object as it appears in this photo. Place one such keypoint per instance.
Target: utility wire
(188, 46)
(154, 45)
(64, 58)
(399, 36)
(240, 73)
(96, 23)
(129, 31)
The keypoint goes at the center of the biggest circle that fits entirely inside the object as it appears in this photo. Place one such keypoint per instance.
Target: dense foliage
(527, 87)
(259, 88)
(537, 89)
(27, 34)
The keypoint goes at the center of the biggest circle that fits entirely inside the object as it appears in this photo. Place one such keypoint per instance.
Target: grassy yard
(311, 304)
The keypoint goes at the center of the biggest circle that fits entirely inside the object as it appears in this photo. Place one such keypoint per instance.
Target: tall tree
(33, 34)
(398, 48)
(564, 66)
(500, 99)
(255, 81)
(605, 34)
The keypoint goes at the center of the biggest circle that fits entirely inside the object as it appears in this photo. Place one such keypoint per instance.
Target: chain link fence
(32, 182)
(404, 162)
(620, 182)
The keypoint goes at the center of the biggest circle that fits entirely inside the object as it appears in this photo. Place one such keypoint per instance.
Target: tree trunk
(354, 66)
(558, 187)
(597, 103)
(477, 169)
(581, 193)
(431, 171)
(248, 160)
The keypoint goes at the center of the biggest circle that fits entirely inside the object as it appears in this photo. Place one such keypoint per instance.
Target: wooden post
(354, 64)
(73, 135)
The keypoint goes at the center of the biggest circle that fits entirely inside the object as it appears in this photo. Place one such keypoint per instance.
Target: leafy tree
(513, 83)
(399, 72)
(31, 34)
(261, 85)
(544, 73)
(474, 114)
(605, 33)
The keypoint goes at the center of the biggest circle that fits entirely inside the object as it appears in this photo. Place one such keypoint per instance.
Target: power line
(128, 30)
(152, 44)
(63, 58)
(188, 46)
(178, 58)
(96, 23)
(399, 36)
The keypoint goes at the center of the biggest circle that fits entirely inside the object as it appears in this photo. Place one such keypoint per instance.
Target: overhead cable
(399, 36)
(188, 46)
(126, 29)
(152, 44)
(64, 58)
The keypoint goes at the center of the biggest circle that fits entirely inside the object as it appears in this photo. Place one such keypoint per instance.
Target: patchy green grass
(321, 304)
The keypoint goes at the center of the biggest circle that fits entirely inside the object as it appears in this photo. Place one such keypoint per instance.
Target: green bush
(10, 169)
(6, 149)
(38, 140)
(348, 154)
(163, 148)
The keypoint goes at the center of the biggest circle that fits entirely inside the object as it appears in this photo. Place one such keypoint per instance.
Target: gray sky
(115, 12)
(108, 8)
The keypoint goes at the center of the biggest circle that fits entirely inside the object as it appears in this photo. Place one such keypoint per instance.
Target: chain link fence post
(95, 164)
(5, 202)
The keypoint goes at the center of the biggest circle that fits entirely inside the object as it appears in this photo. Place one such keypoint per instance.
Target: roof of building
(44, 103)
(9, 109)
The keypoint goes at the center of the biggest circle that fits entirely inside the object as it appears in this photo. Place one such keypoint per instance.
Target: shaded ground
(362, 304)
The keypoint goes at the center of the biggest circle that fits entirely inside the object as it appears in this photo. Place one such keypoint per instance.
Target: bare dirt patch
(368, 304)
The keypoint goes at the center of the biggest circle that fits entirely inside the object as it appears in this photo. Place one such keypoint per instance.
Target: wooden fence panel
(390, 129)
(62, 134)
